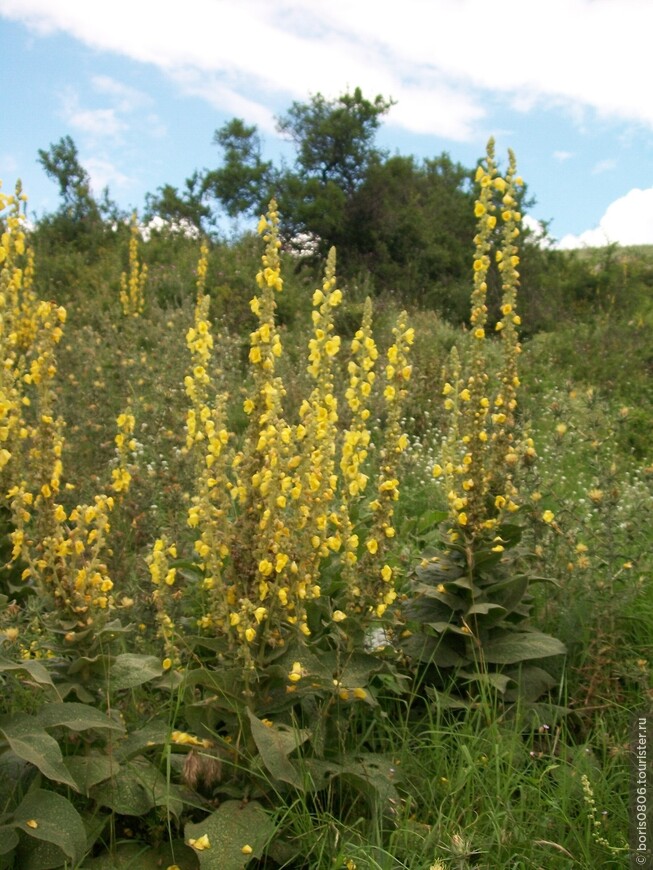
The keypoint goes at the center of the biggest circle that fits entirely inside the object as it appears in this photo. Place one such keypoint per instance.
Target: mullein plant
(63, 552)
(470, 610)
(270, 516)
(17, 325)
(132, 283)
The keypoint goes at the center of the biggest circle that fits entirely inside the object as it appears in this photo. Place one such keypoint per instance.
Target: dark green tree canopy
(61, 164)
(242, 182)
(335, 138)
(186, 207)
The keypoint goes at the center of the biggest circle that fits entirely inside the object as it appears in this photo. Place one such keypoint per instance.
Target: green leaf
(51, 817)
(532, 683)
(233, 825)
(274, 744)
(508, 593)
(29, 741)
(372, 776)
(496, 681)
(155, 733)
(447, 628)
(136, 856)
(33, 668)
(483, 608)
(136, 788)
(8, 839)
(433, 650)
(353, 670)
(511, 647)
(76, 717)
(131, 669)
(429, 519)
(89, 770)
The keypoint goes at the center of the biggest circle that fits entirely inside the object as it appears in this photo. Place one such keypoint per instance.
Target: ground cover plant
(323, 584)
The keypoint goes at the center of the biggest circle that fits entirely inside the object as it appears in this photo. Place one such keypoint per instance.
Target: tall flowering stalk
(207, 441)
(18, 325)
(481, 456)
(316, 525)
(355, 449)
(263, 474)
(380, 584)
(132, 283)
(66, 552)
(471, 603)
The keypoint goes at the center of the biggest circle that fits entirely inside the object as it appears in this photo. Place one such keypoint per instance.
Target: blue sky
(141, 85)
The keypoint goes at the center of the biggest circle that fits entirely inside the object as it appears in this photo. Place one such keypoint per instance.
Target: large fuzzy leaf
(76, 717)
(275, 743)
(136, 788)
(35, 670)
(50, 817)
(518, 646)
(30, 741)
(131, 669)
(231, 827)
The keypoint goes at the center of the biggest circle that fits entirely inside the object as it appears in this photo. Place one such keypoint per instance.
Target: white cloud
(604, 166)
(123, 97)
(8, 165)
(538, 230)
(440, 59)
(627, 221)
(103, 173)
(97, 123)
(562, 156)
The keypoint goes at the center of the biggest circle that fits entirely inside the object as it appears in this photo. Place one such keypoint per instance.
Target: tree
(335, 138)
(185, 208)
(61, 164)
(411, 225)
(242, 183)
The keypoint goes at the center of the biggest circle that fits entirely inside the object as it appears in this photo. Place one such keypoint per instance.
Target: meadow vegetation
(298, 572)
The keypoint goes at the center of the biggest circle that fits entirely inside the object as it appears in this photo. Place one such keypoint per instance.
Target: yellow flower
(296, 672)
(247, 849)
(548, 516)
(339, 616)
(201, 843)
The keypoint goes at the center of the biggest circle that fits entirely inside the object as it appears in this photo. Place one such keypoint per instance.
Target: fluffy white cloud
(439, 59)
(103, 173)
(627, 221)
(96, 123)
